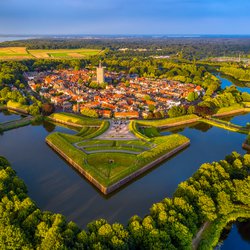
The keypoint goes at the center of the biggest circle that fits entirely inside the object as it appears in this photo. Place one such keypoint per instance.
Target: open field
(7, 53)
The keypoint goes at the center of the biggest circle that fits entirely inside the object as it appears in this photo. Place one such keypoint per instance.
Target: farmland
(14, 53)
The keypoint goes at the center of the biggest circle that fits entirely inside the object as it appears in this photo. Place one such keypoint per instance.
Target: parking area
(118, 130)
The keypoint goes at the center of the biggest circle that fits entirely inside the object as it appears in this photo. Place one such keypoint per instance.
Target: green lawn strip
(77, 119)
(226, 126)
(114, 143)
(212, 234)
(103, 127)
(94, 142)
(100, 148)
(167, 121)
(14, 124)
(85, 131)
(236, 107)
(228, 123)
(18, 106)
(134, 142)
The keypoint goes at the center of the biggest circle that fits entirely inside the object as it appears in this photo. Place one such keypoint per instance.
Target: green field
(109, 161)
(23, 53)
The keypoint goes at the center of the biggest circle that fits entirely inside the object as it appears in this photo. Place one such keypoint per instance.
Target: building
(100, 73)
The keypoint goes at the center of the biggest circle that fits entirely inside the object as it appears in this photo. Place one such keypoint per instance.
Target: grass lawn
(149, 131)
(110, 167)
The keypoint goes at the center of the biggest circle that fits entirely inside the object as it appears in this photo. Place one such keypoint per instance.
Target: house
(129, 115)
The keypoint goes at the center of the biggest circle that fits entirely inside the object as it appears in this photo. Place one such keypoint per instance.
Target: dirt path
(197, 238)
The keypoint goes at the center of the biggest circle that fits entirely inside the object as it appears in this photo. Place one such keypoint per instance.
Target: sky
(124, 17)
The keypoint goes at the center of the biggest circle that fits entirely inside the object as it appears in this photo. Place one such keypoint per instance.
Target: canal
(56, 187)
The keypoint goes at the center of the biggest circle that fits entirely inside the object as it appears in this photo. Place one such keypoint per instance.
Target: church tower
(100, 73)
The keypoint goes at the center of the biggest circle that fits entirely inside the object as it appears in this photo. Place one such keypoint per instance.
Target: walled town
(111, 94)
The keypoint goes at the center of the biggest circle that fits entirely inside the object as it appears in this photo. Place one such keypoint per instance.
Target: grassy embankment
(15, 53)
(168, 122)
(15, 124)
(234, 109)
(108, 168)
(17, 106)
(226, 125)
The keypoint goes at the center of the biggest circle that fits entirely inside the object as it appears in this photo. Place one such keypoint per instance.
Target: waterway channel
(56, 187)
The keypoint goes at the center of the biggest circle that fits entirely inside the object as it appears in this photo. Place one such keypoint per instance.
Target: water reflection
(56, 187)
(241, 119)
(6, 116)
(49, 126)
(244, 230)
(200, 126)
(236, 236)
(227, 81)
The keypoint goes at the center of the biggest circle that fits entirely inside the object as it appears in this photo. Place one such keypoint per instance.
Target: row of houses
(133, 97)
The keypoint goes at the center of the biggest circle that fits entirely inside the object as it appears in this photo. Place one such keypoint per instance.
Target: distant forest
(186, 48)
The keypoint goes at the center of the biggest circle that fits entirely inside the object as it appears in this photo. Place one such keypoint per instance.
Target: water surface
(55, 186)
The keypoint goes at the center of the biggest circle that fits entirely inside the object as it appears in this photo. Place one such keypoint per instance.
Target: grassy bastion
(110, 164)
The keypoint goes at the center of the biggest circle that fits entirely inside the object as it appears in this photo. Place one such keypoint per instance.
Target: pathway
(197, 238)
(16, 123)
(111, 151)
(226, 125)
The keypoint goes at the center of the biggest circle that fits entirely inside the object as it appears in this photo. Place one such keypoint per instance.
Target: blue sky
(124, 17)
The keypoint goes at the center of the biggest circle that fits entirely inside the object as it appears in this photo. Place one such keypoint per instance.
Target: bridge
(226, 125)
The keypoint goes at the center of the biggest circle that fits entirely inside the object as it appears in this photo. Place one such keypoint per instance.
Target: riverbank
(15, 124)
(169, 122)
(188, 209)
(232, 112)
(225, 125)
(246, 146)
(210, 237)
(11, 108)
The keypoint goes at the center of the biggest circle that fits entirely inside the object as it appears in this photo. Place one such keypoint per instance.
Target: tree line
(188, 48)
(212, 193)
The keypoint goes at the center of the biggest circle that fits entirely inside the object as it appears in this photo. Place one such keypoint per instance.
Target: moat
(56, 187)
